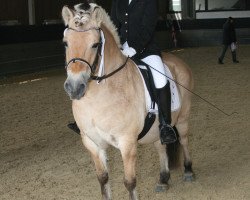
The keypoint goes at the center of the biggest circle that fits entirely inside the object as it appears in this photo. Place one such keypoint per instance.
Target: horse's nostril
(81, 90)
(67, 86)
(75, 90)
(82, 86)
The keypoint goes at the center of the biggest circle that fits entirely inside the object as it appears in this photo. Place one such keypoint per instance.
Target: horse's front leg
(100, 160)
(128, 152)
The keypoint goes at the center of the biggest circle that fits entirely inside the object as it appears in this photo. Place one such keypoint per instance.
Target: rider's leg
(167, 133)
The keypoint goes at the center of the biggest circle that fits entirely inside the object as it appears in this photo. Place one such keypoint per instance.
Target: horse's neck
(113, 56)
(127, 81)
(121, 94)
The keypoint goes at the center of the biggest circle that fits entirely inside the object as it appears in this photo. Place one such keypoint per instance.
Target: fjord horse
(113, 111)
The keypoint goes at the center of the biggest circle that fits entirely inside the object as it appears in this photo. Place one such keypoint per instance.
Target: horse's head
(82, 42)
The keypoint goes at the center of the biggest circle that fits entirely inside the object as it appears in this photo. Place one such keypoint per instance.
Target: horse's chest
(99, 125)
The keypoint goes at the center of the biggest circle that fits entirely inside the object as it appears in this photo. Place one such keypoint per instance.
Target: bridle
(93, 66)
(74, 60)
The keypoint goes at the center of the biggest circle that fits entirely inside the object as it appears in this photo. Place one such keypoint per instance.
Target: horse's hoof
(188, 177)
(161, 188)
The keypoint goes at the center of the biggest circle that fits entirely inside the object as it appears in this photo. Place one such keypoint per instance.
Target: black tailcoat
(136, 24)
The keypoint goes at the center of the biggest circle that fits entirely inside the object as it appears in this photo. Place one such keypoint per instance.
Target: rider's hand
(129, 51)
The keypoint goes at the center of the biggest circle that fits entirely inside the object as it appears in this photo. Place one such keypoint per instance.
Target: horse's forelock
(88, 14)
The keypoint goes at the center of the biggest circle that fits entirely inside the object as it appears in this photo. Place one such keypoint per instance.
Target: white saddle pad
(175, 99)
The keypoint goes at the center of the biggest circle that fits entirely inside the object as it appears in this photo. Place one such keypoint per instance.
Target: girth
(149, 81)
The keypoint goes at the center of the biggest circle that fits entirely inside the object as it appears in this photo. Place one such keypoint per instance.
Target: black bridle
(93, 66)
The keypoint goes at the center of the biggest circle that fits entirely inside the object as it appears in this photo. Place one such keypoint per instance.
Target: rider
(136, 22)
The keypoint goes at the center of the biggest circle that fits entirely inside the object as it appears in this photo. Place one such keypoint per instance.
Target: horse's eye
(65, 44)
(95, 45)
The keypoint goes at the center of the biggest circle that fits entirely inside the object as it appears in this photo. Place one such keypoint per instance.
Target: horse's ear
(67, 14)
(97, 13)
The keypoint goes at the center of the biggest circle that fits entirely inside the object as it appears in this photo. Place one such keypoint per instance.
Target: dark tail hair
(173, 152)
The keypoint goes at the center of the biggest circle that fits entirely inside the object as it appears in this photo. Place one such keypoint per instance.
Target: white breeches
(156, 62)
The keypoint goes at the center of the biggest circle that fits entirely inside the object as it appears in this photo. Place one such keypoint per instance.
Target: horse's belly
(152, 135)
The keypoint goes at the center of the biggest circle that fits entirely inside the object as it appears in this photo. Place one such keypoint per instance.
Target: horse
(110, 110)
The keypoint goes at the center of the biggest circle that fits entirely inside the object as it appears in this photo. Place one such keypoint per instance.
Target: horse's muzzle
(75, 89)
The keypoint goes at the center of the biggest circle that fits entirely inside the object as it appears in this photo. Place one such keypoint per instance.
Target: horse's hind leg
(164, 169)
(128, 152)
(183, 132)
(99, 157)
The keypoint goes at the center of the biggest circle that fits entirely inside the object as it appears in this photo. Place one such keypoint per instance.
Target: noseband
(91, 67)
(74, 60)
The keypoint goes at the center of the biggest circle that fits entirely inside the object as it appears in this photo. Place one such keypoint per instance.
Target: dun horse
(113, 111)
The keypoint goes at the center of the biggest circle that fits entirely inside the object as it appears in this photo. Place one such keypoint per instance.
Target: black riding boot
(167, 133)
(73, 126)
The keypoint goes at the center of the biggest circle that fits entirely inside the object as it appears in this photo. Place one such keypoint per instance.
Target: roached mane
(87, 14)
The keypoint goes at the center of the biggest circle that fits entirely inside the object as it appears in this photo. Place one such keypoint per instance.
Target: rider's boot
(73, 126)
(167, 133)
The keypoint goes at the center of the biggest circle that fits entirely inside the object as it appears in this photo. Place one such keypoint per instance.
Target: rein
(93, 66)
(100, 78)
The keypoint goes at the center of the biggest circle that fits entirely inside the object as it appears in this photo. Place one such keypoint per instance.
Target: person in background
(229, 40)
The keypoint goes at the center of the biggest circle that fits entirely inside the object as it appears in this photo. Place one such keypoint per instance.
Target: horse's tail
(173, 152)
